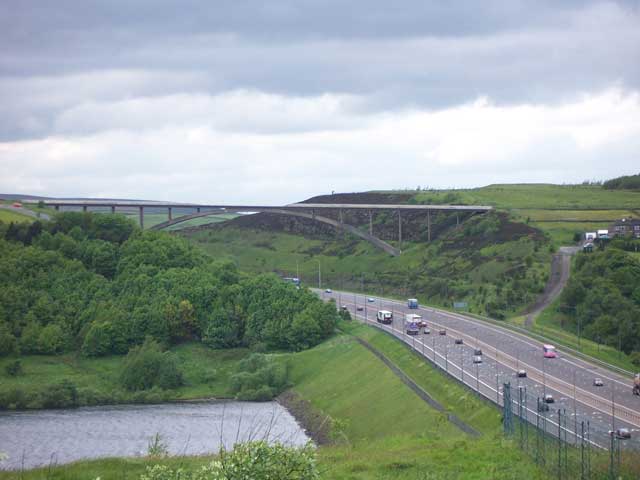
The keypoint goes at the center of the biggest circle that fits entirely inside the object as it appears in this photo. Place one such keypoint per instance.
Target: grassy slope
(357, 265)
(8, 216)
(207, 372)
(571, 202)
(541, 196)
(389, 432)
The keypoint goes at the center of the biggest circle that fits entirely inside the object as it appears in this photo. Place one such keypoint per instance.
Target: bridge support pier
(113, 209)
(370, 222)
(57, 207)
(428, 225)
(141, 215)
(340, 229)
(170, 213)
(84, 208)
(399, 227)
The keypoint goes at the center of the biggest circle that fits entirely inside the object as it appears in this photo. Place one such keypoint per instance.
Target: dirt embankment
(316, 424)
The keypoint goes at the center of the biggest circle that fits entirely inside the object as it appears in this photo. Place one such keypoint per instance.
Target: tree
(147, 366)
(8, 342)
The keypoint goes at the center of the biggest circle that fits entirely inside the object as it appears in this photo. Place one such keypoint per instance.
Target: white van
(384, 316)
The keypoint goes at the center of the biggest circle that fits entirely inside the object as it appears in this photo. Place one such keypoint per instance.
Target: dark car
(442, 332)
(359, 308)
(477, 351)
(344, 307)
(621, 433)
(458, 341)
(543, 407)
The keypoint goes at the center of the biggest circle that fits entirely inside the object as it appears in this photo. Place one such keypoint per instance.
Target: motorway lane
(513, 351)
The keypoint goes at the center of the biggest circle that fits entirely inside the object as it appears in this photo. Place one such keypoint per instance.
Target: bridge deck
(250, 208)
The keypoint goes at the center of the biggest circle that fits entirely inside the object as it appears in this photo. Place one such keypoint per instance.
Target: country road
(567, 378)
(560, 269)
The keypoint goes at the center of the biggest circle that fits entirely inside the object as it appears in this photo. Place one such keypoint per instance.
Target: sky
(273, 102)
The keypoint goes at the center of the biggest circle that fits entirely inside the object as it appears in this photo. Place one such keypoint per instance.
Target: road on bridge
(567, 378)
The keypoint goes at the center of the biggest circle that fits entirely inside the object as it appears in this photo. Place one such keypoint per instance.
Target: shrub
(98, 340)
(635, 358)
(147, 366)
(259, 378)
(8, 343)
(14, 368)
(253, 460)
(60, 395)
(52, 339)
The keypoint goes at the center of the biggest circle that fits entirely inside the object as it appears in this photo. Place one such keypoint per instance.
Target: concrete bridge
(304, 210)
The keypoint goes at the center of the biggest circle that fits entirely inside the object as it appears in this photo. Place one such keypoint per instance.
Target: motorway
(567, 378)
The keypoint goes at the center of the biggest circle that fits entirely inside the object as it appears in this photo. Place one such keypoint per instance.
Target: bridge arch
(381, 244)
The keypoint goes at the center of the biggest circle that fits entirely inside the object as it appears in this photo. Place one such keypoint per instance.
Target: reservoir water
(44, 437)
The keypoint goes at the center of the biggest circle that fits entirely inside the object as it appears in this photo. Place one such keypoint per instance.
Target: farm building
(626, 226)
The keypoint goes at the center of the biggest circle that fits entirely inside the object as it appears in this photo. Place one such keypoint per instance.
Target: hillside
(498, 263)
(495, 264)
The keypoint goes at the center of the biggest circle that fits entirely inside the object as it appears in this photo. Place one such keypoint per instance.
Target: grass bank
(206, 373)
(8, 216)
(380, 428)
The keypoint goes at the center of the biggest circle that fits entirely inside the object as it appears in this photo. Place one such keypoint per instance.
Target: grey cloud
(58, 57)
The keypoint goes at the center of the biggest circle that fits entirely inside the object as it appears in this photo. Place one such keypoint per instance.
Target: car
(621, 433)
(543, 407)
(344, 308)
(427, 331)
(328, 290)
(371, 299)
(548, 398)
(549, 351)
(522, 374)
(477, 359)
(477, 351)
(359, 308)
(442, 332)
(458, 341)
(597, 382)
(422, 323)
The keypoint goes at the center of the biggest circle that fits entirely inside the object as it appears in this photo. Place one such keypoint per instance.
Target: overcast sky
(276, 101)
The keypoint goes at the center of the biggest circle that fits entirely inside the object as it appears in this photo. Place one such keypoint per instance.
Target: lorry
(384, 316)
(412, 317)
(412, 303)
(411, 327)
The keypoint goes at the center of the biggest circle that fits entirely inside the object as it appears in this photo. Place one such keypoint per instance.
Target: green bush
(14, 368)
(8, 342)
(98, 340)
(60, 395)
(259, 378)
(148, 366)
(253, 460)
(53, 339)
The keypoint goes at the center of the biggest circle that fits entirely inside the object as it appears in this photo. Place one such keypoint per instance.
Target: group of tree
(602, 298)
(626, 182)
(96, 284)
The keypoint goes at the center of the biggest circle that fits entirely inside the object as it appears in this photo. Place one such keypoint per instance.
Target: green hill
(498, 263)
